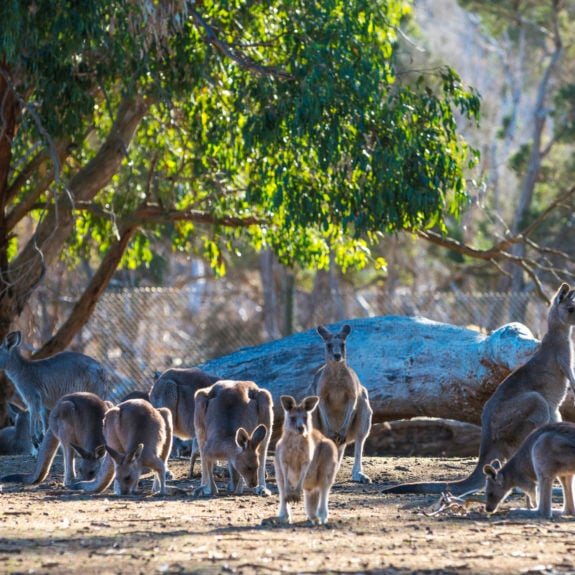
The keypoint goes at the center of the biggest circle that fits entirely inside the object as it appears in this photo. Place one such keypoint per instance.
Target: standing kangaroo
(527, 398)
(17, 439)
(75, 424)
(41, 383)
(233, 420)
(176, 389)
(137, 436)
(344, 412)
(304, 460)
(547, 453)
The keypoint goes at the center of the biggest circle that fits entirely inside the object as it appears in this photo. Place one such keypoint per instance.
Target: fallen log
(411, 366)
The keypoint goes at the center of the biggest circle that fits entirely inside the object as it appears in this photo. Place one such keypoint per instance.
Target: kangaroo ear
(288, 402)
(100, 451)
(135, 454)
(345, 330)
(561, 292)
(13, 339)
(489, 471)
(310, 403)
(242, 438)
(323, 332)
(259, 434)
(80, 451)
(117, 457)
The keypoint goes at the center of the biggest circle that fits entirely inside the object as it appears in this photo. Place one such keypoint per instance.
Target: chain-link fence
(141, 332)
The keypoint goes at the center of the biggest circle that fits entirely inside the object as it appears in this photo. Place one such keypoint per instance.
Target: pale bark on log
(411, 366)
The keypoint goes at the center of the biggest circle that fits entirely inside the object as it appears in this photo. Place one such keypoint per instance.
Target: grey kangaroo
(304, 460)
(138, 436)
(176, 389)
(17, 439)
(233, 421)
(344, 412)
(75, 424)
(527, 398)
(41, 383)
(547, 453)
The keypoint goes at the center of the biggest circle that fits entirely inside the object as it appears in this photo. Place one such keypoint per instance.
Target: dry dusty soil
(48, 529)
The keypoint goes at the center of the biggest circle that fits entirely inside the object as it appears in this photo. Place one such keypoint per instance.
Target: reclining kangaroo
(137, 436)
(304, 460)
(233, 420)
(41, 383)
(344, 412)
(76, 425)
(547, 453)
(527, 398)
(175, 389)
(17, 439)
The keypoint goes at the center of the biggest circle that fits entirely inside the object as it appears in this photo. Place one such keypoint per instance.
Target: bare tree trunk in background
(338, 308)
(267, 274)
(288, 290)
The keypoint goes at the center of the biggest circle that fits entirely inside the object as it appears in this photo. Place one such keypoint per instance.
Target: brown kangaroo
(527, 398)
(176, 389)
(344, 412)
(137, 436)
(304, 460)
(75, 424)
(41, 383)
(547, 453)
(17, 439)
(233, 420)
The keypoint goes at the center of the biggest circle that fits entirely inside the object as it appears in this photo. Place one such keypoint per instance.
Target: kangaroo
(304, 460)
(41, 383)
(546, 453)
(175, 389)
(17, 439)
(75, 424)
(344, 412)
(137, 436)
(233, 420)
(527, 398)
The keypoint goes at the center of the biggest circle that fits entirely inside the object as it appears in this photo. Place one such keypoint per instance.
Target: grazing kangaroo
(527, 398)
(547, 453)
(41, 383)
(304, 460)
(176, 389)
(76, 425)
(233, 420)
(137, 436)
(17, 439)
(344, 413)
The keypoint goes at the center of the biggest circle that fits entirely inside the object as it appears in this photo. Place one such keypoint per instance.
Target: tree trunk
(410, 366)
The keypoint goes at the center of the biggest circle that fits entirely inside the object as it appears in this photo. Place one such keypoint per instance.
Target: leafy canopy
(286, 123)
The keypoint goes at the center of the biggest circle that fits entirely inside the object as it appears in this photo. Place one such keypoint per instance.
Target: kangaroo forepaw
(283, 520)
(293, 495)
(263, 491)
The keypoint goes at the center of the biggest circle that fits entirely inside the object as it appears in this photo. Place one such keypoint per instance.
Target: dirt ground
(48, 529)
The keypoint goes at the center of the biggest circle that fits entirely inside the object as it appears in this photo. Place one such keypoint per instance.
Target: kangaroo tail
(474, 482)
(46, 453)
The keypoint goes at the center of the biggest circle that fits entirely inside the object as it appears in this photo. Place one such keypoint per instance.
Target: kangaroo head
(89, 463)
(247, 459)
(563, 306)
(11, 342)
(297, 416)
(128, 468)
(496, 489)
(334, 342)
